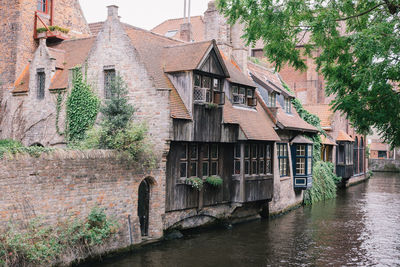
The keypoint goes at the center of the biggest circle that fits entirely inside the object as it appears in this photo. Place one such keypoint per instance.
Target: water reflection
(359, 228)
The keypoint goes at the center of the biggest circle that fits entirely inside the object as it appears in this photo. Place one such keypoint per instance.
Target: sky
(144, 14)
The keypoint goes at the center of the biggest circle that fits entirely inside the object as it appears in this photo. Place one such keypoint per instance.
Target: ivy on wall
(82, 107)
(59, 100)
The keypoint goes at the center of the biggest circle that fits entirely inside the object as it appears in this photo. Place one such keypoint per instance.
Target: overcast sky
(144, 14)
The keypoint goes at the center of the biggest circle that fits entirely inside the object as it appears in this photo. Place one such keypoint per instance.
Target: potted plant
(195, 182)
(214, 180)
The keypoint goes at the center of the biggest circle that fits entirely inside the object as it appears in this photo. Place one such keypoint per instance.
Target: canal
(361, 227)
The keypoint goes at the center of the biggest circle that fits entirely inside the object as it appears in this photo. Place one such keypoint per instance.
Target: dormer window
(243, 95)
(272, 99)
(288, 106)
(208, 89)
(42, 6)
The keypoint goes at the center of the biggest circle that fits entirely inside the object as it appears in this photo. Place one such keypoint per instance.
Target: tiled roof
(185, 56)
(293, 121)
(269, 78)
(342, 136)
(59, 56)
(323, 111)
(301, 139)
(198, 27)
(379, 147)
(177, 107)
(255, 124)
(235, 73)
(327, 141)
(75, 53)
(96, 27)
(21, 85)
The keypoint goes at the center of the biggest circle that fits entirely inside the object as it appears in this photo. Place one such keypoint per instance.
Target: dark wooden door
(143, 207)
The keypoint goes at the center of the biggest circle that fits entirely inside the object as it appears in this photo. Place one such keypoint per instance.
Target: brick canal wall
(68, 184)
(384, 165)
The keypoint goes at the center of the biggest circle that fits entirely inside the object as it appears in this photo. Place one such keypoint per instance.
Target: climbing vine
(82, 107)
(58, 110)
(324, 178)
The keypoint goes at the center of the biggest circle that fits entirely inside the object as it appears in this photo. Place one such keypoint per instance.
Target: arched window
(356, 153)
(362, 155)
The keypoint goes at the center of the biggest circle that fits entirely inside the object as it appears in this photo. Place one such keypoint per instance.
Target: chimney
(186, 32)
(113, 12)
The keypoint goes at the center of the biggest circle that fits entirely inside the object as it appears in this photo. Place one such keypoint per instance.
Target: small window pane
(301, 150)
(183, 169)
(247, 151)
(197, 80)
(242, 91)
(261, 152)
(193, 152)
(237, 167)
(237, 150)
(309, 167)
(268, 166)
(254, 151)
(206, 82)
(216, 84)
(205, 169)
(249, 93)
(193, 169)
(261, 167)
(268, 154)
(246, 167)
(205, 151)
(300, 166)
(254, 167)
(214, 151)
(184, 152)
(214, 168)
(109, 78)
(310, 150)
(235, 89)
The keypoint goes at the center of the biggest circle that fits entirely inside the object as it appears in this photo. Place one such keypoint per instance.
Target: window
(208, 89)
(382, 154)
(302, 154)
(268, 159)
(171, 33)
(247, 159)
(349, 153)
(243, 95)
(355, 157)
(361, 149)
(199, 160)
(288, 106)
(41, 81)
(109, 78)
(341, 153)
(272, 99)
(283, 159)
(42, 6)
(236, 161)
(259, 53)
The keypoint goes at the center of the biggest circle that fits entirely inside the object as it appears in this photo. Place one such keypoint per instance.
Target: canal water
(361, 227)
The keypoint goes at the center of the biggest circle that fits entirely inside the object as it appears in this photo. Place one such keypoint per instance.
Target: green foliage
(358, 45)
(211, 106)
(214, 180)
(324, 183)
(58, 110)
(53, 28)
(82, 108)
(117, 131)
(195, 182)
(12, 147)
(40, 244)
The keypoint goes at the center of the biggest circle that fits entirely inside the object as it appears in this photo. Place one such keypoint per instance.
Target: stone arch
(145, 203)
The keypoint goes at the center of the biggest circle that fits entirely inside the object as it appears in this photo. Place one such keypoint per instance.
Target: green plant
(12, 147)
(53, 28)
(195, 182)
(82, 108)
(369, 174)
(211, 106)
(40, 244)
(58, 110)
(324, 183)
(214, 180)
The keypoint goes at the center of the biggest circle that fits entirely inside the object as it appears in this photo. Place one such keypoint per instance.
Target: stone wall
(67, 184)
(384, 165)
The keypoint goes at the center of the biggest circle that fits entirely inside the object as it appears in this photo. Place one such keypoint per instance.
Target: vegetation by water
(40, 244)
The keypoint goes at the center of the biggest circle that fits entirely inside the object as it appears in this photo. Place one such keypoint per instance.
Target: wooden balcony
(344, 171)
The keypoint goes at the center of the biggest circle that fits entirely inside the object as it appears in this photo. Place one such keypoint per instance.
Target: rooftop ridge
(186, 43)
(175, 19)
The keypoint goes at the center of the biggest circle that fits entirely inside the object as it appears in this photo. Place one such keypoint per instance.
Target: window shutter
(219, 97)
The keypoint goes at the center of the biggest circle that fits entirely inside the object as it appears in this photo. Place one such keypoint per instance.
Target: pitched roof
(255, 124)
(96, 27)
(235, 73)
(198, 27)
(185, 56)
(323, 111)
(342, 136)
(379, 147)
(301, 139)
(327, 141)
(21, 85)
(293, 121)
(75, 52)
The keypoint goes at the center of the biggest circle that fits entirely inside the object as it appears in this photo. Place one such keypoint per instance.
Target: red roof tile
(342, 136)
(327, 141)
(379, 147)
(21, 85)
(255, 123)
(198, 27)
(323, 111)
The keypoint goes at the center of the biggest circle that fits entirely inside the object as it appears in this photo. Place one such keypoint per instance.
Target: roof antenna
(184, 11)
(189, 12)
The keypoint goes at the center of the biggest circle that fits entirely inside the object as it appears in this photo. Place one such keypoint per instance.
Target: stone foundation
(384, 165)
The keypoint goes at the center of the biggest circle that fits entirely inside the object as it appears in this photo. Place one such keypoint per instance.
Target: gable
(212, 64)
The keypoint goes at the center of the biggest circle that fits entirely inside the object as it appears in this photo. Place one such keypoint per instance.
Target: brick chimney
(113, 12)
(186, 32)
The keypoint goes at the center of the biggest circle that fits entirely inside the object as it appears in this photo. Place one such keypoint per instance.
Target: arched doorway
(144, 206)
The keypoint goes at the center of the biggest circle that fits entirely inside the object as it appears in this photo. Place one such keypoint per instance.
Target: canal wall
(384, 165)
(67, 184)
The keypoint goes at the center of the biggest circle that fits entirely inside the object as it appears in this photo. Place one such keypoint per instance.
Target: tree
(355, 44)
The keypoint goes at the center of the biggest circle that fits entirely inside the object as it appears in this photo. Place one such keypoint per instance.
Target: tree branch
(360, 14)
